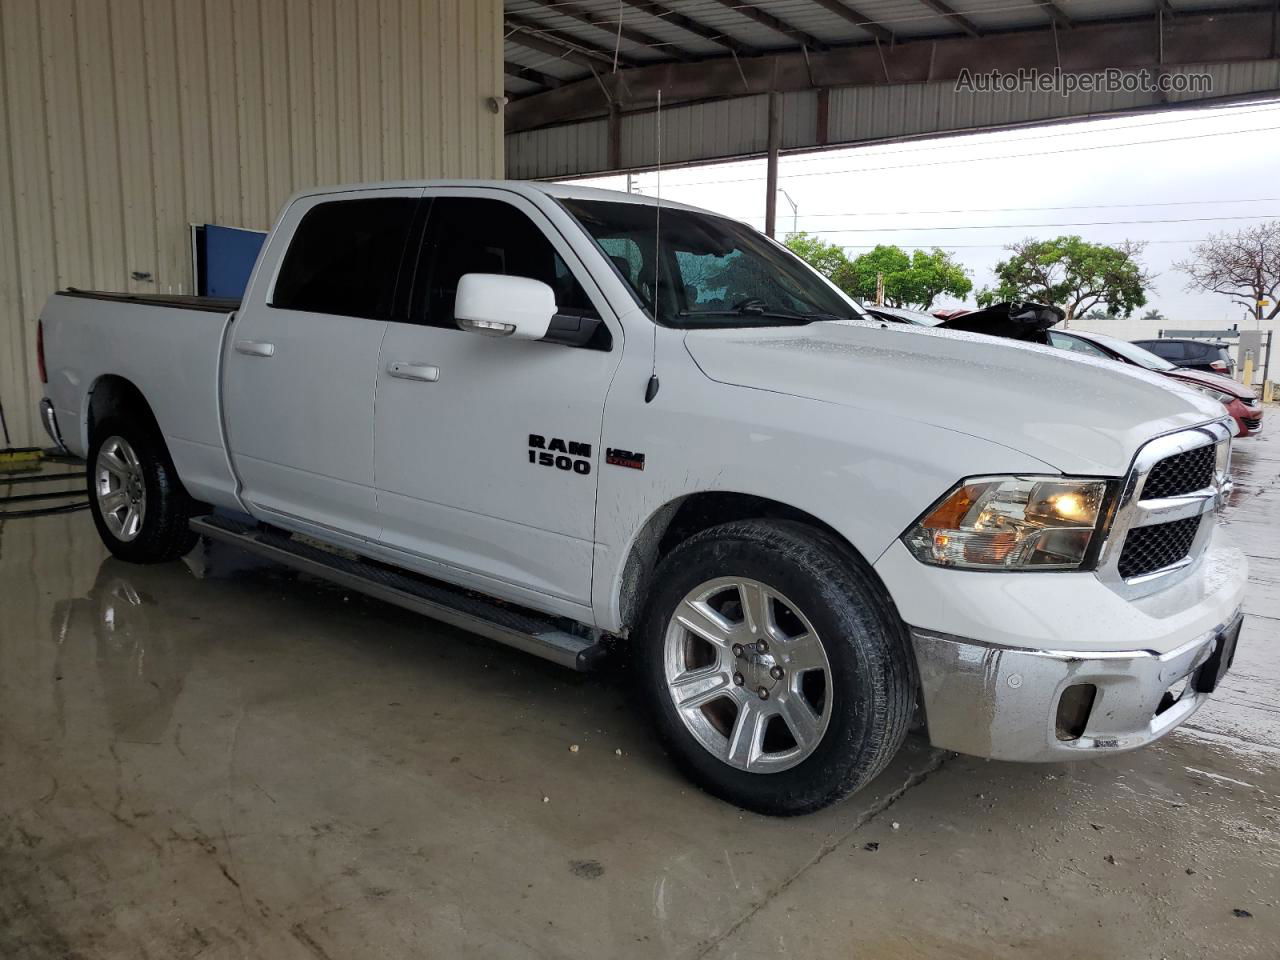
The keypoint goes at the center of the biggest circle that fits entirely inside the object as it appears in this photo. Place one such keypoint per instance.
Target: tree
(826, 258)
(1154, 316)
(912, 280)
(1097, 313)
(1073, 274)
(1244, 266)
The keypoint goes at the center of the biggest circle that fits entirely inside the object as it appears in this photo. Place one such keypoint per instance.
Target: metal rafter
(1242, 36)
(611, 26)
(1055, 13)
(959, 19)
(513, 69)
(881, 33)
(531, 34)
(690, 25)
(773, 23)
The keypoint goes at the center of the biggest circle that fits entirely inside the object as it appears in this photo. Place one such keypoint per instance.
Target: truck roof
(561, 191)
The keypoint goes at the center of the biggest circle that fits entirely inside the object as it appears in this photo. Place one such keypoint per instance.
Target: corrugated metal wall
(738, 127)
(122, 121)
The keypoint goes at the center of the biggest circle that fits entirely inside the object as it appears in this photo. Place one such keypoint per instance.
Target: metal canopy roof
(569, 60)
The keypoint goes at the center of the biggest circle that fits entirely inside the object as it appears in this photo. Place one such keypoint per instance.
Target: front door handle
(424, 372)
(255, 348)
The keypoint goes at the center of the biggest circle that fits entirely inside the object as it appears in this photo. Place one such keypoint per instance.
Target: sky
(1169, 179)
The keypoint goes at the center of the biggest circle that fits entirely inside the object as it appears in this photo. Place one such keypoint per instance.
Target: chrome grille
(1161, 525)
(1180, 474)
(1148, 549)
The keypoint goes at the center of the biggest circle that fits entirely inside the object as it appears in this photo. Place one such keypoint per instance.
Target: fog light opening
(1173, 695)
(1073, 710)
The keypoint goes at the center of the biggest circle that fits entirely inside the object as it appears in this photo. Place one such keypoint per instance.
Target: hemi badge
(624, 458)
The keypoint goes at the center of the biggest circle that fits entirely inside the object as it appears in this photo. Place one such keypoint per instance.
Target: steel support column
(771, 175)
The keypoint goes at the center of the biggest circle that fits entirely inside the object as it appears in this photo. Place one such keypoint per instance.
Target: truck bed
(168, 347)
(183, 301)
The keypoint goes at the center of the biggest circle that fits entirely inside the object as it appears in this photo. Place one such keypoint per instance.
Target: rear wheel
(138, 504)
(778, 669)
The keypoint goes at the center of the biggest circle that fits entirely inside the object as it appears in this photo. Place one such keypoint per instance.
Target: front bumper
(1030, 705)
(1250, 420)
(997, 651)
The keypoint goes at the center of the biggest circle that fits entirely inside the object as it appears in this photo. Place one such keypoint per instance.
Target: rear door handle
(255, 348)
(424, 372)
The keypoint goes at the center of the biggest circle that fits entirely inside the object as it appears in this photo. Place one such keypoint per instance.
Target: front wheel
(138, 503)
(777, 667)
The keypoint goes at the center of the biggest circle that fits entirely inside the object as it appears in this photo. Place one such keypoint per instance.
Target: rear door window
(345, 257)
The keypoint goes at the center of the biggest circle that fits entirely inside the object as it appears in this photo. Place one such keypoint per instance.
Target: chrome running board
(509, 625)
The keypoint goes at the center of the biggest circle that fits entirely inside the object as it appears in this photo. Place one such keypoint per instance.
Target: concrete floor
(218, 758)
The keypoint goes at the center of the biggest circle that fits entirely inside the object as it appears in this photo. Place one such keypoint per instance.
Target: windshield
(713, 271)
(1134, 353)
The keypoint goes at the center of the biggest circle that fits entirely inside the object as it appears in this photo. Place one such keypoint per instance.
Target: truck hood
(1078, 414)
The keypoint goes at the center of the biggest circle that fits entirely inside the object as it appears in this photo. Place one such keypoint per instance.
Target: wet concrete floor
(218, 758)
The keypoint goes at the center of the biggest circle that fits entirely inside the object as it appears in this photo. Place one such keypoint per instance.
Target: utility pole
(795, 211)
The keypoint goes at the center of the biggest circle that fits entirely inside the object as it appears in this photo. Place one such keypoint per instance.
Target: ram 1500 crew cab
(563, 418)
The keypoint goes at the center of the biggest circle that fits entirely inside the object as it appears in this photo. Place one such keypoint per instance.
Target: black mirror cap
(571, 330)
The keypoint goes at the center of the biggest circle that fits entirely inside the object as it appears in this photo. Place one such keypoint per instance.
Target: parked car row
(1240, 400)
(1205, 367)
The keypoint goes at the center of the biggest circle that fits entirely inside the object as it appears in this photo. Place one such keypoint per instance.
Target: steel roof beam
(1055, 13)
(1242, 36)
(881, 33)
(582, 15)
(690, 25)
(959, 19)
(773, 23)
(521, 72)
(531, 34)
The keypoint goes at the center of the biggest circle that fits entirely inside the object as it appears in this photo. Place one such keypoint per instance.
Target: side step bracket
(508, 625)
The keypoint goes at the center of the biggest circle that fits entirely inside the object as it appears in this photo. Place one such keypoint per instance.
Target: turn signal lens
(1011, 523)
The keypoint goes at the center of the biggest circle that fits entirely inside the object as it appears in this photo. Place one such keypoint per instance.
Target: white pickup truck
(568, 419)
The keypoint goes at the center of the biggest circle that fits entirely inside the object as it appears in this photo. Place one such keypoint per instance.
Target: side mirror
(500, 306)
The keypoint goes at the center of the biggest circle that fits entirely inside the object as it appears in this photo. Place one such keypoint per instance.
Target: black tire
(164, 533)
(871, 667)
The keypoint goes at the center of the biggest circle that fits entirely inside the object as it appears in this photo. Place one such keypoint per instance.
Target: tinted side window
(344, 257)
(1169, 349)
(472, 235)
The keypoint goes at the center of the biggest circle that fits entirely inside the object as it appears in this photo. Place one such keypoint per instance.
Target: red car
(1240, 401)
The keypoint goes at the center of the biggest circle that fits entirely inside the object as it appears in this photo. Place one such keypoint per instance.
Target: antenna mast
(651, 390)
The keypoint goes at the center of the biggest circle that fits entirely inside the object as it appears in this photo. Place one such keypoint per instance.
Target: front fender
(868, 478)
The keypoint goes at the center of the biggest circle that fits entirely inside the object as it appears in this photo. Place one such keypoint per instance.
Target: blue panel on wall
(229, 256)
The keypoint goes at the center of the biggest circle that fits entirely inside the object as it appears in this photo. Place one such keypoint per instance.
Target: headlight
(1218, 395)
(1011, 523)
